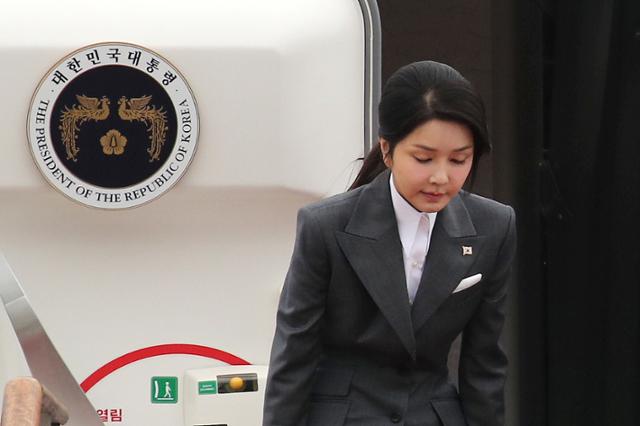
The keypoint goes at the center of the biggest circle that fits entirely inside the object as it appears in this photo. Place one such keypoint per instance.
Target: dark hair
(417, 93)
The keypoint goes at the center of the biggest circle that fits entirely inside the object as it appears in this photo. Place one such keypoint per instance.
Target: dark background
(561, 81)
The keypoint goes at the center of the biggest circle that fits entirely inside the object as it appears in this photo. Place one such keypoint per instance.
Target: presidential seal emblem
(113, 125)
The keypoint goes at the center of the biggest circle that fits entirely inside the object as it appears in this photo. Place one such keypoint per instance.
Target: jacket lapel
(372, 246)
(446, 262)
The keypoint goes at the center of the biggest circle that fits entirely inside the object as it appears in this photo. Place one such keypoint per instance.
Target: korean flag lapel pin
(467, 250)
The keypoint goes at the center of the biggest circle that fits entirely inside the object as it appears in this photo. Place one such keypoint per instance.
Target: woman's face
(431, 164)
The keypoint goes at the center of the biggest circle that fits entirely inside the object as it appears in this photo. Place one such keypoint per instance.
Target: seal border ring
(195, 123)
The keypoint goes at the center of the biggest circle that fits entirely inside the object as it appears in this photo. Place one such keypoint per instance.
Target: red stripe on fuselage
(153, 351)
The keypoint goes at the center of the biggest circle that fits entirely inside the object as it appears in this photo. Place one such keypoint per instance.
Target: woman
(365, 320)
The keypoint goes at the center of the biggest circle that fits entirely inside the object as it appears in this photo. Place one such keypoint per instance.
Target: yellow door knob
(236, 383)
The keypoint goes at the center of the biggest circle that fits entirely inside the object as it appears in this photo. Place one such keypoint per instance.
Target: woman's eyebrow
(428, 148)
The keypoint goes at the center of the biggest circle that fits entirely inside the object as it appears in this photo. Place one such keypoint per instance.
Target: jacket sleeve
(483, 363)
(296, 346)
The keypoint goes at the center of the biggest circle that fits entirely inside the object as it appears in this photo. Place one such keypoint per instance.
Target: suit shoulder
(480, 204)
(336, 208)
(345, 200)
(488, 214)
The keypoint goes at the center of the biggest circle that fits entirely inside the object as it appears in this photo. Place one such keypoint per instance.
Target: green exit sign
(209, 387)
(164, 390)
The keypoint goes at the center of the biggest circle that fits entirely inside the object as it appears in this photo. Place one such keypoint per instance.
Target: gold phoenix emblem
(138, 109)
(113, 143)
(133, 109)
(89, 109)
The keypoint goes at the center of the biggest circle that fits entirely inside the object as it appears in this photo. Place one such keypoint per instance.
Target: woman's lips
(433, 197)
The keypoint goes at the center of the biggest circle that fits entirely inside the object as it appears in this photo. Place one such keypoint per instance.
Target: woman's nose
(439, 176)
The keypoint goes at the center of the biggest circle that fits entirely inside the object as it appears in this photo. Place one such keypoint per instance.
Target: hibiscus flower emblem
(113, 143)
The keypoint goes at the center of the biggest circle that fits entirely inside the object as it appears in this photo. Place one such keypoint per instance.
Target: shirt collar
(407, 216)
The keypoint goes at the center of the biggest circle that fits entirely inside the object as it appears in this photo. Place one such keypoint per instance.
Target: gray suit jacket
(349, 349)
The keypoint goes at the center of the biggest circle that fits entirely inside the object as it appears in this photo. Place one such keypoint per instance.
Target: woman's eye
(459, 160)
(422, 160)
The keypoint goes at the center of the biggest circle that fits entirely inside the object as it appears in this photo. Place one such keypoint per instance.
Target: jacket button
(395, 418)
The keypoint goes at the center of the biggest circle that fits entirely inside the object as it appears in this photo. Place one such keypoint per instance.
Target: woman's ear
(385, 148)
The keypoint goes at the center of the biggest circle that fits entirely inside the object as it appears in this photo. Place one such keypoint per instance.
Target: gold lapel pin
(467, 250)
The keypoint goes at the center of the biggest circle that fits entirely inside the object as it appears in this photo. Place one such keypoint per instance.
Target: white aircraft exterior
(148, 306)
